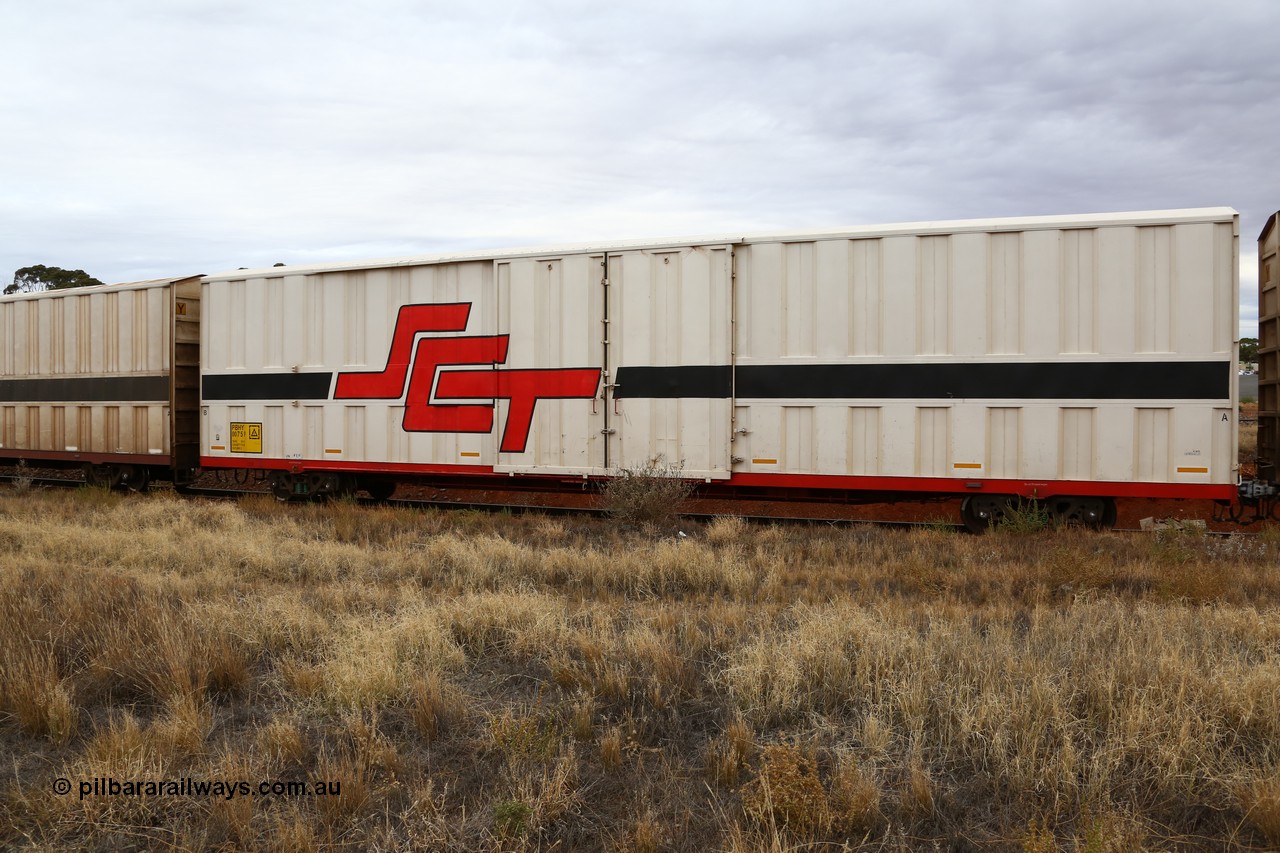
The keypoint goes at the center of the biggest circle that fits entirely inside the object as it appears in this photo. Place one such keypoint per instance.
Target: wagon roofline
(101, 288)
(1268, 225)
(1023, 223)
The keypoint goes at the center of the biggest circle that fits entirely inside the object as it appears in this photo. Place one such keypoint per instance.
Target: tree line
(36, 278)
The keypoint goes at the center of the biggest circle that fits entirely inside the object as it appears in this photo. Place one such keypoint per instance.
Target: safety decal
(246, 437)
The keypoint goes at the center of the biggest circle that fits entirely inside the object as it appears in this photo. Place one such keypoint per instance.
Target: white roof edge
(1016, 223)
(99, 288)
(1268, 225)
(1019, 223)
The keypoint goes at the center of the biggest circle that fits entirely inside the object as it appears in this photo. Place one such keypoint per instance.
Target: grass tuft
(1024, 518)
(786, 792)
(1260, 802)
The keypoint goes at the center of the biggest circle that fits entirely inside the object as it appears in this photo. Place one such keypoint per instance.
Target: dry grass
(480, 681)
(648, 495)
(1249, 442)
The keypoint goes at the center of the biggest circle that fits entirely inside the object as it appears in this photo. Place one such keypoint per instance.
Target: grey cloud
(145, 134)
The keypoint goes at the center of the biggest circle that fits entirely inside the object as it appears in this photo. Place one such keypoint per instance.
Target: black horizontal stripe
(266, 386)
(1087, 380)
(82, 389)
(711, 380)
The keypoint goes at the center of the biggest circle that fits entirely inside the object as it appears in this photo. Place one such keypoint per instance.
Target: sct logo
(429, 368)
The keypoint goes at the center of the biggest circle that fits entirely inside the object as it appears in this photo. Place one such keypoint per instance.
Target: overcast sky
(145, 138)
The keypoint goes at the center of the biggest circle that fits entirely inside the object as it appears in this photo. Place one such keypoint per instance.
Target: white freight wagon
(1074, 359)
(106, 377)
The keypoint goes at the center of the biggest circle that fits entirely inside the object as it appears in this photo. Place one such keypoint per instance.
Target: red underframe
(921, 485)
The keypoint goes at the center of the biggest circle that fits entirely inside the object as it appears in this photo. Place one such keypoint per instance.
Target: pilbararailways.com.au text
(226, 789)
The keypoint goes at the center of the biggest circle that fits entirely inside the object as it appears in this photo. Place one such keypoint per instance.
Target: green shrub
(511, 818)
(1024, 518)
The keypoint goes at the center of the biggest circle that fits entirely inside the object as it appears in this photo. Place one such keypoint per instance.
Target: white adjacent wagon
(1074, 359)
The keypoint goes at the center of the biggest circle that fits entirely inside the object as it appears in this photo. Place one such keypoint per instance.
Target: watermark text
(226, 789)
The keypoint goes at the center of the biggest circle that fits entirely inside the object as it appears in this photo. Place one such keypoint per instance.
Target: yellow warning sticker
(246, 438)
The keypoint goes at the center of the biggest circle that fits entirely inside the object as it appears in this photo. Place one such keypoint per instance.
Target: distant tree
(39, 277)
(1248, 350)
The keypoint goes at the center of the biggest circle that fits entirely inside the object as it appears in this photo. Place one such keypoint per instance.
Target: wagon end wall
(1269, 351)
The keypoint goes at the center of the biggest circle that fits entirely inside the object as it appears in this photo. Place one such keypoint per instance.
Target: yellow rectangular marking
(217, 447)
(764, 461)
(333, 450)
(470, 453)
(967, 465)
(1193, 470)
(246, 437)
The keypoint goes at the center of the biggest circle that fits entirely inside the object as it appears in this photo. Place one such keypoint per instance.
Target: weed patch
(647, 495)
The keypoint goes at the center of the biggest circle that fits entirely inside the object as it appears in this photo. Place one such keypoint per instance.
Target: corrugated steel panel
(275, 344)
(1032, 348)
(1066, 292)
(552, 307)
(1153, 450)
(864, 442)
(933, 441)
(670, 308)
(1077, 437)
(1004, 443)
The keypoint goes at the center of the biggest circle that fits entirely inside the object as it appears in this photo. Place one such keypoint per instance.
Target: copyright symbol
(62, 786)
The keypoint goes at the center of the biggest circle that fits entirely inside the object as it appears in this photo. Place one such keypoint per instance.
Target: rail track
(906, 514)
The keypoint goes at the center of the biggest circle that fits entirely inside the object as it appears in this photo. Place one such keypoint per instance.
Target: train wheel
(323, 487)
(135, 478)
(980, 513)
(102, 476)
(1109, 514)
(342, 488)
(379, 490)
(282, 487)
(1095, 513)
